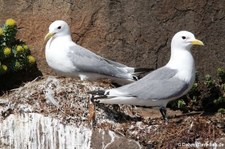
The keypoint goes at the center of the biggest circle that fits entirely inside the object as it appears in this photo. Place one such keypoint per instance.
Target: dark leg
(92, 98)
(163, 112)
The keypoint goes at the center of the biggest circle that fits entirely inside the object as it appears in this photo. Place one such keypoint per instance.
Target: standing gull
(162, 85)
(69, 59)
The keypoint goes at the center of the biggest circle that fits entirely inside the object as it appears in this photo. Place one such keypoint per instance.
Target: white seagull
(69, 59)
(161, 85)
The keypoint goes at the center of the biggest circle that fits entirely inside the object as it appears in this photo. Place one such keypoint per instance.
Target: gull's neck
(182, 60)
(58, 39)
(62, 37)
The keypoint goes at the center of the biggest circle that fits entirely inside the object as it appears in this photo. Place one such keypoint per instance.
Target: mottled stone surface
(35, 131)
(136, 33)
(31, 123)
(55, 112)
(110, 140)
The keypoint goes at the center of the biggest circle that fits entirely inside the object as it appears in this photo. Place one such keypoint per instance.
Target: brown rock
(110, 140)
(136, 33)
(54, 113)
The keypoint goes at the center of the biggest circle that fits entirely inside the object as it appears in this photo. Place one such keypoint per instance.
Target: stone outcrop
(35, 131)
(136, 33)
(51, 113)
(54, 113)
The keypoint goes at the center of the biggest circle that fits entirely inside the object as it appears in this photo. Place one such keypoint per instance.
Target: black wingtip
(95, 95)
(142, 70)
(98, 92)
(136, 78)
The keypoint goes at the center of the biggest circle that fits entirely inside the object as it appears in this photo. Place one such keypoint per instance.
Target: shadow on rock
(10, 81)
(115, 113)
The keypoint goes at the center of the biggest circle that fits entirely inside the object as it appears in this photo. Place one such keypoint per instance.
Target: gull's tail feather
(135, 72)
(112, 96)
(109, 97)
(132, 75)
(139, 72)
(98, 94)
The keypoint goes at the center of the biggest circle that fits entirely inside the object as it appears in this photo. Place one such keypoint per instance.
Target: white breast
(57, 57)
(183, 61)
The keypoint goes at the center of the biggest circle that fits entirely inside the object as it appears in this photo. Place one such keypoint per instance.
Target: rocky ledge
(52, 112)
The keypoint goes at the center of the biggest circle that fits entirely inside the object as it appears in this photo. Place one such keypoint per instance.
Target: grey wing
(160, 84)
(164, 89)
(115, 63)
(87, 61)
(161, 74)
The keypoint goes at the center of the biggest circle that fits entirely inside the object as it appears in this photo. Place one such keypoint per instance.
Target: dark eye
(183, 37)
(59, 27)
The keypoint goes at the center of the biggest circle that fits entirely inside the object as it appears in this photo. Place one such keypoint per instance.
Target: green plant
(181, 103)
(208, 81)
(206, 95)
(14, 53)
(221, 110)
(221, 74)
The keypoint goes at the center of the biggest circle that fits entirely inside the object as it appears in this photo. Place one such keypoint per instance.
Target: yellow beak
(48, 36)
(197, 42)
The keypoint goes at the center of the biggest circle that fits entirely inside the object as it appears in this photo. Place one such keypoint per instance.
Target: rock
(108, 139)
(31, 121)
(136, 33)
(56, 113)
(32, 130)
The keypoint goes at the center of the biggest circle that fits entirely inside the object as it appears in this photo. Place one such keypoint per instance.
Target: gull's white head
(58, 28)
(184, 40)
